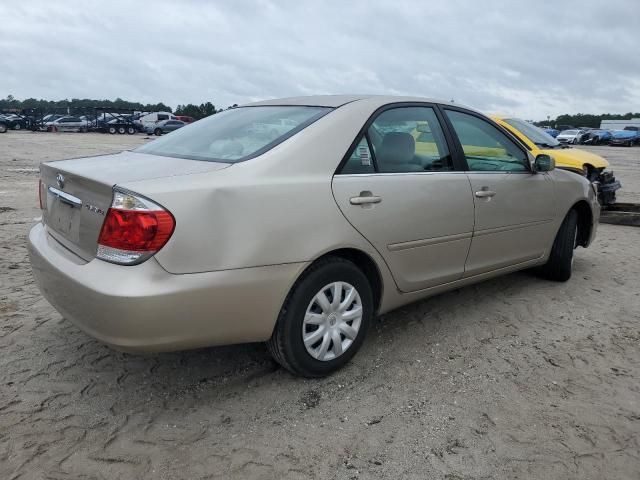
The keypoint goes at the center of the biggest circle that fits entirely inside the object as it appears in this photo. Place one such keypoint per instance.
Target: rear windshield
(236, 134)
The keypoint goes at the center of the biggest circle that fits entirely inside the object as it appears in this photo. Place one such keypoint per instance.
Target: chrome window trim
(446, 172)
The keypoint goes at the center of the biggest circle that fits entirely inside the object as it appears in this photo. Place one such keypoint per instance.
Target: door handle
(365, 198)
(483, 193)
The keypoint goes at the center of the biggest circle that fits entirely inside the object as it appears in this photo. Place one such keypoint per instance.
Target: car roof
(335, 101)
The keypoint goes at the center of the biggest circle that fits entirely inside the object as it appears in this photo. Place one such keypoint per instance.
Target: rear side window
(360, 160)
(401, 140)
(236, 134)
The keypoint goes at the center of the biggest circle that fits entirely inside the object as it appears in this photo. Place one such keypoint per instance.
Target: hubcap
(332, 321)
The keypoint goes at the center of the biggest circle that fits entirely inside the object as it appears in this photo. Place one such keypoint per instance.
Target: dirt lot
(512, 378)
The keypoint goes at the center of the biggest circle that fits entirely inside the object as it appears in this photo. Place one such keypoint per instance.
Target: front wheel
(112, 130)
(324, 319)
(3, 127)
(131, 130)
(560, 263)
(17, 126)
(157, 132)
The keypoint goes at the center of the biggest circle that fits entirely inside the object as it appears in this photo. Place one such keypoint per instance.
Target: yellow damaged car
(580, 161)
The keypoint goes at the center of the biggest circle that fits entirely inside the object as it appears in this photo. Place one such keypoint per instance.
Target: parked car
(628, 138)
(588, 164)
(571, 136)
(215, 235)
(165, 126)
(185, 118)
(155, 117)
(15, 122)
(68, 124)
(597, 136)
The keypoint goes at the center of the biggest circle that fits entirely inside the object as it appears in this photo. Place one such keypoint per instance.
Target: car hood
(575, 158)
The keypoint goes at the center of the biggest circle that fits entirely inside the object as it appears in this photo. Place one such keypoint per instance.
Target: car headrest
(397, 147)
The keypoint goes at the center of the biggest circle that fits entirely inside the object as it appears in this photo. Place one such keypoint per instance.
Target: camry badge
(60, 180)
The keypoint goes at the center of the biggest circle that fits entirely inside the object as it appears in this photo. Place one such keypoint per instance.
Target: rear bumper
(145, 308)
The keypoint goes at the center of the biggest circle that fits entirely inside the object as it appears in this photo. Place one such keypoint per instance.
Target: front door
(400, 190)
(513, 206)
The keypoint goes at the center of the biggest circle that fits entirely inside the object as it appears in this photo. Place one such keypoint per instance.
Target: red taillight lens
(136, 231)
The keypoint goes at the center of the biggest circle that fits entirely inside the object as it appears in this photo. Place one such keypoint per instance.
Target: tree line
(586, 119)
(86, 106)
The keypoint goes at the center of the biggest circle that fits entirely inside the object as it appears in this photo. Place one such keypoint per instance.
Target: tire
(113, 130)
(3, 127)
(122, 130)
(17, 126)
(286, 344)
(560, 263)
(157, 132)
(131, 130)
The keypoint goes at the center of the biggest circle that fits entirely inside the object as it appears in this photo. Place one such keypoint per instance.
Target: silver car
(218, 234)
(164, 126)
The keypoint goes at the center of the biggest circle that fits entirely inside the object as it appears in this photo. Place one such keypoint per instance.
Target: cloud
(532, 59)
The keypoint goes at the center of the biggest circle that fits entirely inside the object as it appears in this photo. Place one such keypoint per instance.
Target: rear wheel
(131, 130)
(122, 130)
(324, 319)
(157, 132)
(3, 127)
(560, 263)
(17, 126)
(112, 130)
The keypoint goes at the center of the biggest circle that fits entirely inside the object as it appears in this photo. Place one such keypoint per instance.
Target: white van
(152, 118)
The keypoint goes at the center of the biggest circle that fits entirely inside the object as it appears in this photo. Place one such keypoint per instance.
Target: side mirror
(544, 163)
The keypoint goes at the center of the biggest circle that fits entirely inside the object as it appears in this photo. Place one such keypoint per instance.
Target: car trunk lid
(77, 193)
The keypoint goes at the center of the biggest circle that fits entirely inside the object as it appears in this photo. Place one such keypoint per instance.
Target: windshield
(533, 133)
(236, 134)
(569, 132)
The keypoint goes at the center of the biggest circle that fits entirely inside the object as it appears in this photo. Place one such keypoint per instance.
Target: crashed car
(597, 137)
(627, 138)
(580, 161)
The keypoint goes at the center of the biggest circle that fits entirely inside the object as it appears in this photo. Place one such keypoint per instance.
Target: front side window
(409, 139)
(236, 134)
(485, 147)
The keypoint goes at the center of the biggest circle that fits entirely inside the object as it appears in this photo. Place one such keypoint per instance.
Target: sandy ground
(515, 378)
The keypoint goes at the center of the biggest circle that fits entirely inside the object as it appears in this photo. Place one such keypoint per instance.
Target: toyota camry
(225, 232)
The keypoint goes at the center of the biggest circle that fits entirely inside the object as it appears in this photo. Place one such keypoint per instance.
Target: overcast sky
(529, 58)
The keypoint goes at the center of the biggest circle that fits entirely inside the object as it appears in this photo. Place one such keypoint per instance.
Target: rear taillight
(134, 229)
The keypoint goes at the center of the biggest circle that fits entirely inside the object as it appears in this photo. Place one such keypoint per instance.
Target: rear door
(514, 207)
(399, 187)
